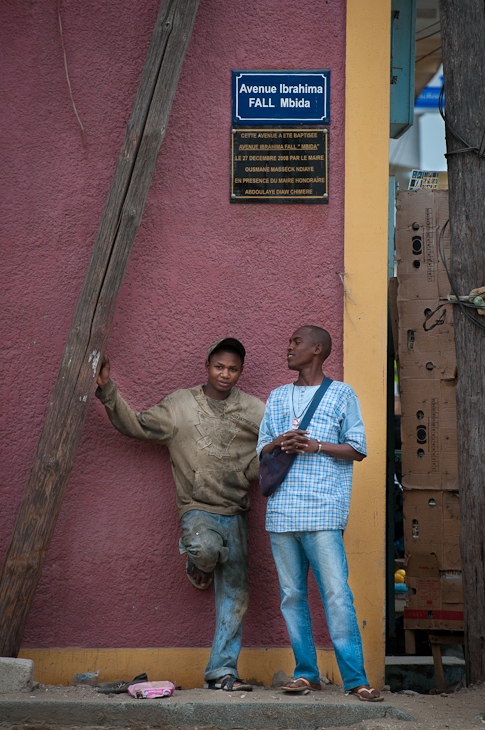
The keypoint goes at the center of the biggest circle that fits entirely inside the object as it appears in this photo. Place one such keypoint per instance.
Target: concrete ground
(83, 708)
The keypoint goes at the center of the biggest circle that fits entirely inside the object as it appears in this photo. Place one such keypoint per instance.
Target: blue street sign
(281, 97)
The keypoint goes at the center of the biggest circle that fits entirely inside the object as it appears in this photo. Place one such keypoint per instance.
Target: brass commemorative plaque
(279, 165)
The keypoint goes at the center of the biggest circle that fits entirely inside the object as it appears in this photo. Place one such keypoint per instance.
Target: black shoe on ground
(117, 688)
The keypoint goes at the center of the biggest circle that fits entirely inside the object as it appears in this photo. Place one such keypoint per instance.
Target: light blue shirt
(316, 492)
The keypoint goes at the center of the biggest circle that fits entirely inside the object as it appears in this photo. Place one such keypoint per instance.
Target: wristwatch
(319, 446)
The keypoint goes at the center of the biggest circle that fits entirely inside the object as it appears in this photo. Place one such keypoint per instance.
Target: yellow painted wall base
(184, 667)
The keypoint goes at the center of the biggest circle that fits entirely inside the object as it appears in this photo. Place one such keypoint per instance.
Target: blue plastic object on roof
(428, 98)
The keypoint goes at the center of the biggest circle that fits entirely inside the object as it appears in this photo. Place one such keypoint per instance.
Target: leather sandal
(229, 683)
(365, 693)
(300, 685)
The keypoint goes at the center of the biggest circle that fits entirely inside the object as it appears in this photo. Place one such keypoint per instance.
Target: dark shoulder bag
(275, 466)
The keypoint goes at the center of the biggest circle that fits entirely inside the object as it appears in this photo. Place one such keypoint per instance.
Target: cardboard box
(432, 526)
(435, 597)
(420, 221)
(426, 340)
(428, 432)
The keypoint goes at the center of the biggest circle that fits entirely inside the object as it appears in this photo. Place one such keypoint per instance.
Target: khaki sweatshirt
(213, 455)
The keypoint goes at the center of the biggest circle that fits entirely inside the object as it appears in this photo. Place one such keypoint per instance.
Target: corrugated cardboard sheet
(420, 219)
(435, 597)
(428, 432)
(427, 373)
(432, 526)
(426, 340)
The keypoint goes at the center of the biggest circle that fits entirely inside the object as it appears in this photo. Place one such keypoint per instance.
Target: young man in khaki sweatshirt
(211, 433)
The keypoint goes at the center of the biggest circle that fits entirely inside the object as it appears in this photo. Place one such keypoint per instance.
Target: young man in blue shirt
(308, 513)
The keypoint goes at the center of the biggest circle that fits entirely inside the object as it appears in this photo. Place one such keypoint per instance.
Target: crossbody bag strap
(315, 403)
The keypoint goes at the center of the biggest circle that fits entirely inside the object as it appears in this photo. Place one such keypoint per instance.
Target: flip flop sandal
(117, 688)
(191, 569)
(228, 683)
(301, 684)
(373, 694)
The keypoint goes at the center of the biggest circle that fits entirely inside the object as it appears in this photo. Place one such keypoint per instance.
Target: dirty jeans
(219, 543)
(324, 551)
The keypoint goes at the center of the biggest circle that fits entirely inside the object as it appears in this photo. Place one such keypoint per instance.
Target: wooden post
(75, 385)
(463, 41)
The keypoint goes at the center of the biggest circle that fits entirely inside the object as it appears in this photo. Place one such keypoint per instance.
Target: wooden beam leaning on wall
(91, 324)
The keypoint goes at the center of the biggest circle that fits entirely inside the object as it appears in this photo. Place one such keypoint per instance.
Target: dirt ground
(461, 710)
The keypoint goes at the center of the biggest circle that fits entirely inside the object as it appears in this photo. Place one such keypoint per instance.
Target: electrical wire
(463, 305)
(437, 22)
(429, 36)
(480, 151)
(421, 58)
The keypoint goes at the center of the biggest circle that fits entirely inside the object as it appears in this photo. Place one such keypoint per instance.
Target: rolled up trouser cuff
(221, 672)
(202, 542)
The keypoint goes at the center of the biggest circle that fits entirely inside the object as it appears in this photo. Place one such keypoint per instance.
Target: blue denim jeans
(219, 543)
(324, 551)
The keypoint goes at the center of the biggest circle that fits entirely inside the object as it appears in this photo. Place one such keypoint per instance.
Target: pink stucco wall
(200, 269)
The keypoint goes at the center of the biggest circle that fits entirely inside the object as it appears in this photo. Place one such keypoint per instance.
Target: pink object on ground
(151, 690)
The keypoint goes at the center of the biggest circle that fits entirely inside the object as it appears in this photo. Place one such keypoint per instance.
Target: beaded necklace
(297, 418)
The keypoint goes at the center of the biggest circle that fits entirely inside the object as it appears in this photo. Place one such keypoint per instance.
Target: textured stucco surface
(200, 269)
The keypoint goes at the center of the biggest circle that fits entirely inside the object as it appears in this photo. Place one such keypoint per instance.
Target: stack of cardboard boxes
(427, 372)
